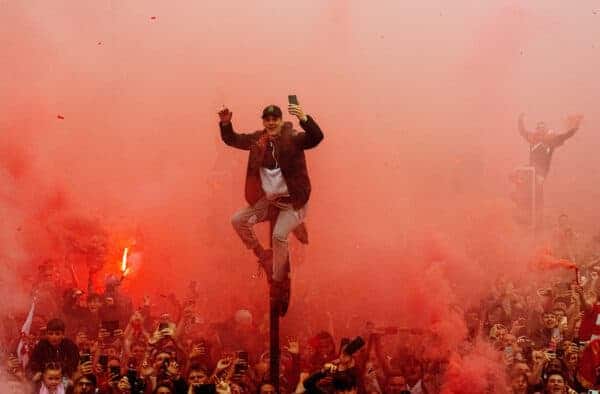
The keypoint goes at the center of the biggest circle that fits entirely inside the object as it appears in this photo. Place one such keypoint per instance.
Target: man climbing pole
(276, 178)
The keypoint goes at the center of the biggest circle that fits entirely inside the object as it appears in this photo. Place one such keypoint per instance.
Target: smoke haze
(109, 126)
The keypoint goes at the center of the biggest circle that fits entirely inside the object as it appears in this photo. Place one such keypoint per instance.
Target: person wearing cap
(276, 176)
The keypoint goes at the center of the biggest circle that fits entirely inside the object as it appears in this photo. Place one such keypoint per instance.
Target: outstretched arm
(229, 136)
(524, 133)
(573, 123)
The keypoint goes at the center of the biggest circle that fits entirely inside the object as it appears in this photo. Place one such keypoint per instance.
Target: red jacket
(588, 323)
(289, 151)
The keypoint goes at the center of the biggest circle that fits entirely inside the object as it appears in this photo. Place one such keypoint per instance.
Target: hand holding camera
(124, 385)
(295, 109)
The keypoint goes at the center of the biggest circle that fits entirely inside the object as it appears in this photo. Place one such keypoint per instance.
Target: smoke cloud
(109, 139)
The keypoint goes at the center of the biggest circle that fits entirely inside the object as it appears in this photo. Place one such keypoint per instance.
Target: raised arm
(524, 133)
(573, 123)
(229, 136)
(312, 135)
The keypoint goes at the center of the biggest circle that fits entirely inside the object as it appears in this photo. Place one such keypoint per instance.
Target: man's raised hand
(225, 115)
(573, 121)
(296, 110)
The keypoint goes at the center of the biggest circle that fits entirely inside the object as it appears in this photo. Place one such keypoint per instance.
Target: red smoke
(109, 139)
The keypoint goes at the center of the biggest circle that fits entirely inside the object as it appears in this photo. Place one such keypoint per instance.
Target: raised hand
(124, 385)
(225, 115)
(224, 363)
(574, 121)
(296, 110)
(86, 368)
(293, 346)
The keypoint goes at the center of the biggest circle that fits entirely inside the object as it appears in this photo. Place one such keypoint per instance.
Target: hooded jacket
(289, 151)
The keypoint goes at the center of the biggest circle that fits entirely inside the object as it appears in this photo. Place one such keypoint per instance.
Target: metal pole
(534, 207)
(274, 327)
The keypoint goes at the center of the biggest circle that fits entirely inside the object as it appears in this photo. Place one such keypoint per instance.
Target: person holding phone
(276, 177)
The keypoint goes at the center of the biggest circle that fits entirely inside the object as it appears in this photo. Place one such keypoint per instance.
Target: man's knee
(280, 236)
(238, 219)
(242, 219)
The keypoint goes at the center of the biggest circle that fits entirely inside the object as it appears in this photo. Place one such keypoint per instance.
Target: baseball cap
(272, 110)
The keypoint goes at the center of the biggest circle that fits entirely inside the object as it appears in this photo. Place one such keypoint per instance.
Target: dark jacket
(66, 354)
(311, 383)
(289, 152)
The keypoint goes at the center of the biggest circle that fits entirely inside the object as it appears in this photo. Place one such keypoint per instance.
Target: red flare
(545, 261)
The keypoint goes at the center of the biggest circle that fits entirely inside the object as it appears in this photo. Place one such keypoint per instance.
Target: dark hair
(546, 377)
(197, 367)
(551, 369)
(90, 377)
(164, 383)
(55, 325)
(52, 365)
(260, 386)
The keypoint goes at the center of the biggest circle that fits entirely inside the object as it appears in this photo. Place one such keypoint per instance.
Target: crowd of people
(81, 341)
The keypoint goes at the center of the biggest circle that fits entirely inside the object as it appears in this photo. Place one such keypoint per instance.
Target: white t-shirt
(273, 183)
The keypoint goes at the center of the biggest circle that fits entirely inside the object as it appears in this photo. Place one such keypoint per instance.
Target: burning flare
(124, 268)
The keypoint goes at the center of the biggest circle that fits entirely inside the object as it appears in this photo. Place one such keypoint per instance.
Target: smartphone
(132, 376)
(85, 358)
(103, 360)
(115, 372)
(240, 368)
(593, 392)
(205, 389)
(292, 99)
(242, 355)
(162, 326)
